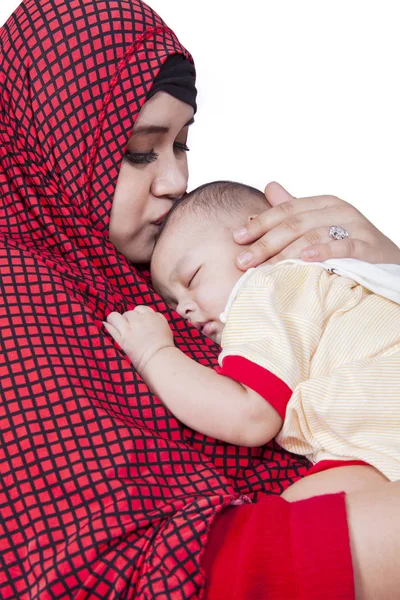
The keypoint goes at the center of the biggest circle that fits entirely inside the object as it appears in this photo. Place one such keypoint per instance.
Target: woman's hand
(141, 333)
(299, 228)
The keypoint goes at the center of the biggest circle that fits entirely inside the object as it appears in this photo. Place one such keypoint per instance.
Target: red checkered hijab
(103, 493)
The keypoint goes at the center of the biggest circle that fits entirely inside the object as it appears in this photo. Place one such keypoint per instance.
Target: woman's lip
(160, 220)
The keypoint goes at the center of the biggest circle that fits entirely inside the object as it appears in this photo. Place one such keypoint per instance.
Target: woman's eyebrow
(146, 130)
(149, 129)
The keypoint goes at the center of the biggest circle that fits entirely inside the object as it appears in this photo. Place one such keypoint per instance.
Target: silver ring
(338, 233)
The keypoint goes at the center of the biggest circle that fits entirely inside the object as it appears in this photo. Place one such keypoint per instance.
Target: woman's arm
(330, 546)
(198, 396)
(373, 518)
(299, 228)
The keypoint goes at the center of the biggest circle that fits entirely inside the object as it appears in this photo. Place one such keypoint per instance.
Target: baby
(310, 352)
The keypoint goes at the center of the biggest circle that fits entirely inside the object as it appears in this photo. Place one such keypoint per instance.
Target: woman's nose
(171, 182)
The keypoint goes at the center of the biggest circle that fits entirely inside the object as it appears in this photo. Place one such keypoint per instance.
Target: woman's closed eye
(141, 158)
(145, 158)
(181, 147)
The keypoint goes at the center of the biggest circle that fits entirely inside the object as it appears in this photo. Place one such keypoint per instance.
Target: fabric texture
(277, 550)
(383, 280)
(176, 77)
(103, 493)
(325, 353)
(326, 465)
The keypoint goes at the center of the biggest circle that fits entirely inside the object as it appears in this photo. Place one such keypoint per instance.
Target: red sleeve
(269, 386)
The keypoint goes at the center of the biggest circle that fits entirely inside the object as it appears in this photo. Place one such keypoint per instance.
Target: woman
(103, 493)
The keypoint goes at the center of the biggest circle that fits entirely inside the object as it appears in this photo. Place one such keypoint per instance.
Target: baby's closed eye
(193, 277)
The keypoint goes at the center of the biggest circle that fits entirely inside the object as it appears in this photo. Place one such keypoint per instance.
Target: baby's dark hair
(223, 198)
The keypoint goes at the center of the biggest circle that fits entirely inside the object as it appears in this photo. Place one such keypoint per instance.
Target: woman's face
(154, 173)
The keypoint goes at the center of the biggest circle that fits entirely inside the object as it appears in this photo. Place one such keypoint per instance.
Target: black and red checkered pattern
(103, 493)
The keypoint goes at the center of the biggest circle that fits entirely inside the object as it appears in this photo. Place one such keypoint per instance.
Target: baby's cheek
(213, 299)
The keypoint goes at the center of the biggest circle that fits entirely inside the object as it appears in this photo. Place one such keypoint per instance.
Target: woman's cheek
(130, 200)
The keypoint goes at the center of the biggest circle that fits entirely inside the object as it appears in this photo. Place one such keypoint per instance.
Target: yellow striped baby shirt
(325, 352)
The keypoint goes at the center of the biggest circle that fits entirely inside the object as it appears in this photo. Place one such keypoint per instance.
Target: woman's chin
(140, 251)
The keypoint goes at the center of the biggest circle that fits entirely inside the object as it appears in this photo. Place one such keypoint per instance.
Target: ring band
(338, 233)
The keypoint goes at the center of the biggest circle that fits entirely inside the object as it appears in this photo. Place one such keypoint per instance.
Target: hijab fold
(103, 494)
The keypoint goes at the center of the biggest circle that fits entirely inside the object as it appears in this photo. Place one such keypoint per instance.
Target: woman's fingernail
(241, 233)
(245, 258)
(309, 253)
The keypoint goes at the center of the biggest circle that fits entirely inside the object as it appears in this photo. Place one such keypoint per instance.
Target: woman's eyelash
(141, 158)
(181, 146)
(145, 158)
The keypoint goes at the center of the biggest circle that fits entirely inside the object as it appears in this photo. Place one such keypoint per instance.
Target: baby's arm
(197, 395)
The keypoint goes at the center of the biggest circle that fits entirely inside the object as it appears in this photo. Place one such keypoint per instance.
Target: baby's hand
(141, 333)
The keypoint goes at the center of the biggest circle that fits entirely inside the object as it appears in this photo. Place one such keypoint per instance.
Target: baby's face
(193, 269)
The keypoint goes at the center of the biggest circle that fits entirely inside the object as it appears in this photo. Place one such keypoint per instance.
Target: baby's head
(193, 265)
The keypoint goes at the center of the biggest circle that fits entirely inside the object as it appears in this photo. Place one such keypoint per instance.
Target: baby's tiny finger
(142, 308)
(116, 320)
(112, 331)
(163, 317)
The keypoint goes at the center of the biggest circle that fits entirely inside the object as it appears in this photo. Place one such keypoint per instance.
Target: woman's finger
(348, 248)
(314, 240)
(290, 212)
(276, 194)
(277, 232)
(314, 223)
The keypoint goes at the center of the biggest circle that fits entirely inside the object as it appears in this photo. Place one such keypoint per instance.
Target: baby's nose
(184, 310)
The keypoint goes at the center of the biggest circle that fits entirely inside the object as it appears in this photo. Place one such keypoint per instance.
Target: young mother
(103, 493)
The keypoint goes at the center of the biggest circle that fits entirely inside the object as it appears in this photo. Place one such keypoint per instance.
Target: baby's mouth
(206, 329)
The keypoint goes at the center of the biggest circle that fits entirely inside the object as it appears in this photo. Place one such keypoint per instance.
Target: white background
(304, 92)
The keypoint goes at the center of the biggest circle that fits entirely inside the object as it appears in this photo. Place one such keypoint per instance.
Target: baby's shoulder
(284, 271)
